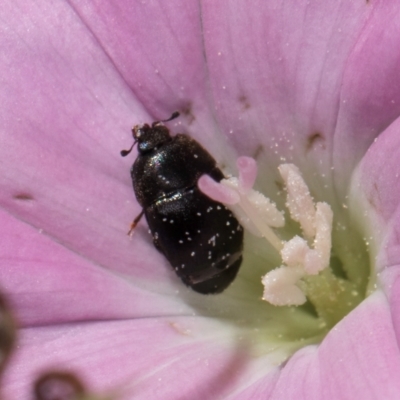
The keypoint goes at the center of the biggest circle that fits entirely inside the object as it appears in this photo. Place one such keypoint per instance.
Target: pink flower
(310, 83)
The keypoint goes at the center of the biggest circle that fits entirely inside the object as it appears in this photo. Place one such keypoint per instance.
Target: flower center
(309, 273)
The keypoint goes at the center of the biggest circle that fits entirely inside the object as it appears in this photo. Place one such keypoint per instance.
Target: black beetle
(201, 238)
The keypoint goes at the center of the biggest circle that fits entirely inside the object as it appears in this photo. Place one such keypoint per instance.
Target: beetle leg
(135, 222)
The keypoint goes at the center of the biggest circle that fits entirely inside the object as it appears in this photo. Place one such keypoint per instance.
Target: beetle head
(149, 137)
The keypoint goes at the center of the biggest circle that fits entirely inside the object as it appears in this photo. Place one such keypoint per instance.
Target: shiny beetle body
(201, 238)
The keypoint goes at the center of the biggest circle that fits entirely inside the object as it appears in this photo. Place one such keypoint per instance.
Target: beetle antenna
(173, 116)
(124, 153)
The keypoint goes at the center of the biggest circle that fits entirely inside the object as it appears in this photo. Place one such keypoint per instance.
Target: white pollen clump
(294, 251)
(258, 214)
(280, 286)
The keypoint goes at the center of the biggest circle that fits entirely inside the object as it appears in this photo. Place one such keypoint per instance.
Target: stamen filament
(263, 228)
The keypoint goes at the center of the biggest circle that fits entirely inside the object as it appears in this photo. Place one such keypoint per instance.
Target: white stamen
(280, 287)
(294, 252)
(253, 210)
(299, 201)
(323, 241)
(256, 213)
(300, 256)
(265, 208)
(316, 223)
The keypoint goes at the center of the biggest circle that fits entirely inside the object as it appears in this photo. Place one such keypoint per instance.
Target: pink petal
(369, 99)
(306, 83)
(73, 86)
(390, 279)
(175, 356)
(64, 111)
(46, 283)
(66, 114)
(376, 185)
(358, 359)
(168, 358)
(158, 50)
(379, 173)
(249, 73)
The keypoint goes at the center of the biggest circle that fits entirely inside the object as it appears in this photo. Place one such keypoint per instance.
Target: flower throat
(308, 272)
